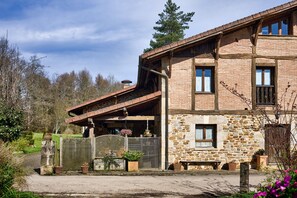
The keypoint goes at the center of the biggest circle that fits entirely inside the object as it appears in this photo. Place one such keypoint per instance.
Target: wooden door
(277, 143)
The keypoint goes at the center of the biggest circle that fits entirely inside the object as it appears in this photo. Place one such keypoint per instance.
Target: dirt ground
(143, 186)
(169, 185)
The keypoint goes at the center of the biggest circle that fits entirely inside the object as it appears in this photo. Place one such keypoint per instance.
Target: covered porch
(140, 114)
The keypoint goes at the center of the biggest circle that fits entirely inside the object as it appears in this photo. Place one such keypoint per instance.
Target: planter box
(84, 169)
(46, 170)
(261, 161)
(232, 166)
(99, 164)
(132, 166)
(58, 170)
(177, 167)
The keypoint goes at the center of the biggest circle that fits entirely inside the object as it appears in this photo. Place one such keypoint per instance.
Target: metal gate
(151, 147)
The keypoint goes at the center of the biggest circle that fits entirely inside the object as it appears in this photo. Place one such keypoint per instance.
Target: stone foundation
(238, 138)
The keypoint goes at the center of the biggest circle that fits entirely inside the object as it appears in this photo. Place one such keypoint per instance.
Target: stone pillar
(244, 177)
(47, 155)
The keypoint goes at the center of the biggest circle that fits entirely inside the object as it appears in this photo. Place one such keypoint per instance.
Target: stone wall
(238, 137)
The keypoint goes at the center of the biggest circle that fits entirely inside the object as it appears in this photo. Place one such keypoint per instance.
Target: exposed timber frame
(216, 72)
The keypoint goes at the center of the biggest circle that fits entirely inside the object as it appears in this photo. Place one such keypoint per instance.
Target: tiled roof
(223, 28)
(117, 107)
(129, 89)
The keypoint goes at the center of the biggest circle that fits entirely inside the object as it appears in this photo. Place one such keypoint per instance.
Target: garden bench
(215, 164)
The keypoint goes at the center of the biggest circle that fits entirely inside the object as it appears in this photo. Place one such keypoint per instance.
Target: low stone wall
(238, 138)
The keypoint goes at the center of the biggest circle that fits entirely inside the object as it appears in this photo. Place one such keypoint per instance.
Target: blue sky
(104, 36)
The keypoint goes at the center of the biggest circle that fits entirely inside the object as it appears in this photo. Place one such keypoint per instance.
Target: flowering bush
(286, 187)
(126, 132)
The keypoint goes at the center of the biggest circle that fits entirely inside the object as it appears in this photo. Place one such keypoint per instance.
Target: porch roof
(130, 104)
(79, 108)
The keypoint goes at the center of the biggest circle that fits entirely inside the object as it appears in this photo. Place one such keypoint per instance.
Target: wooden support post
(93, 147)
(61, 150)
(244, 177)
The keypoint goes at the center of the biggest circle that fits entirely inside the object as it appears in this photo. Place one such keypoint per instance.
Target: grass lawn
(56, 138)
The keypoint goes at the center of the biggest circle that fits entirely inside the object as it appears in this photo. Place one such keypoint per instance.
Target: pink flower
(126, 132)
(260, 194)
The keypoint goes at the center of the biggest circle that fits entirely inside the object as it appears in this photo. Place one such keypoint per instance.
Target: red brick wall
(180, 84)
(234, 72)
(204, 102)
(287, 70)
(237, 74)
(236, 43)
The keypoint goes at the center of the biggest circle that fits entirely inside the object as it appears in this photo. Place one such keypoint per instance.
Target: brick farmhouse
(180, 97)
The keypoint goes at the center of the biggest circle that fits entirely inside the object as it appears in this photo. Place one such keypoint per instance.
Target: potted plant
(85, 168)
(108, 161)
(132, 158)
(58, 170)
(126, 132)
(261, 159)
(232, 165)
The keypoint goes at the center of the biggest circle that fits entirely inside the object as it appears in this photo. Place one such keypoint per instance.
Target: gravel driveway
(181, 185)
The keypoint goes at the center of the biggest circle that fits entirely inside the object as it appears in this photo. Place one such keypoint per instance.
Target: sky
(104, 36)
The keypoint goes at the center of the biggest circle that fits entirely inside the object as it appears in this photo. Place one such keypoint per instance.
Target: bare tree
(281, 123)
(11, 69)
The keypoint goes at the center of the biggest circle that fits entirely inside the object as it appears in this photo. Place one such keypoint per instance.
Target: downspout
(166, 111)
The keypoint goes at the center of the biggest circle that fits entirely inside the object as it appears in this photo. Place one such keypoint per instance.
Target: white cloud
(106, 36)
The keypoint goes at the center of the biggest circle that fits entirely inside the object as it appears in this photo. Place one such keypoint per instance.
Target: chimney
(126, 83)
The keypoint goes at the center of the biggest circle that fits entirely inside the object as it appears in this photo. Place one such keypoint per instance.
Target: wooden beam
(218, 45)
(256, 32)
(216, 84)
(146, 78)
(236, 56)
(220, 112)
(277, 57)
(193, 83)
(123, 118)
(253, 80)
(276, 82)
(254, 55)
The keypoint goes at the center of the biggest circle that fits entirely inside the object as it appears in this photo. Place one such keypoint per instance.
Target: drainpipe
(166, 111)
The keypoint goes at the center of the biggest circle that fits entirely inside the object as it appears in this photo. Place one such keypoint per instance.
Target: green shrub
(11, 121)
(11, 170)
(20, 144)
(132, 155)
(12, 193)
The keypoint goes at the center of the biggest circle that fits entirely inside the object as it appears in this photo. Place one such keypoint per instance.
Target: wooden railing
(265, 95)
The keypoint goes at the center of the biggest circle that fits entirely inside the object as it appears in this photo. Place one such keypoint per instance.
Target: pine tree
(171, 25)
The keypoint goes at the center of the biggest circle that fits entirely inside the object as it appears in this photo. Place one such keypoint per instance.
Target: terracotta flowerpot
(84, 169)
(232, 166)
(132, 166)
(177, 167)
(261, 161)
(58, 170)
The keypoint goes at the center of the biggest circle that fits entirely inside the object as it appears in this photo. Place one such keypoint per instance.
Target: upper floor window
(265, 90)
(205, 136)
(280, 27)
(204, 79)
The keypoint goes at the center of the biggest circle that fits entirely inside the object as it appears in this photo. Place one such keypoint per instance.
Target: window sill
(277, 37)
(206, 149)
(265, 105)
(205, 93)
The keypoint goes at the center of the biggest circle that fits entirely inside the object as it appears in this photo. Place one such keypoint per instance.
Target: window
(205, 136)
(265, 92)
(204, 79)
(276, 28)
